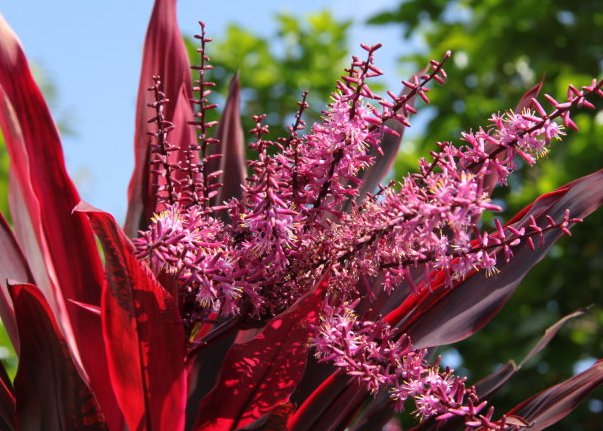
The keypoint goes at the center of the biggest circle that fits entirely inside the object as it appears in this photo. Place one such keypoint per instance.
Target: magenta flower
(304, 296)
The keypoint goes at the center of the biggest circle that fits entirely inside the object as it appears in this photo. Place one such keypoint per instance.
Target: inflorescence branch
(293, 140)
(293, 224)
(203, 185)
(160, 149)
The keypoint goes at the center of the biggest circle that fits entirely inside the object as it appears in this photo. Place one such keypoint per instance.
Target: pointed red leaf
(556, 402)
(232, 147)
(276, 420)
(340, 411)
(143, 334)
(376, 415)
(164, 55)
(487, 386)
(59, 246)
(449, 315)
(13, 266)
(8, 418)
(50, 392)
(526, 99)
(261, 374)
(550, 333)
(318, 401)
(203, 370)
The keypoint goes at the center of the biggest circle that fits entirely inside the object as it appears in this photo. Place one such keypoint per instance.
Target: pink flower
(208, 319)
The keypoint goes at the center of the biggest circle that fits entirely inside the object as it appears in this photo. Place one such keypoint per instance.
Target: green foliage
(304, 54)
(501, 49)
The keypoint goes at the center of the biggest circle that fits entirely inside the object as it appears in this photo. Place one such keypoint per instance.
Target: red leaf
(553, 404)
(59, 246)
(318, 401)
(143, 334)
(376, 415)
(276, 420)
(342, 407)
(449, 315)
(261, 374)
(50, 393)
(164, 55)
(232, 147)
(487, 387)
(8, 416)
(526, 99)
(550, 332)
(13, 266)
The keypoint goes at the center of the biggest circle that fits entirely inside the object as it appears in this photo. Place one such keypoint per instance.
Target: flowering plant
(304, 296)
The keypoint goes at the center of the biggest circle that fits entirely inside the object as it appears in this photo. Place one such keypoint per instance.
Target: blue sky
(91, 51)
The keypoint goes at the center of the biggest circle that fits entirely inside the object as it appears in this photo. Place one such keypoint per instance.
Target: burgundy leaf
(164, 55)
(13, 266)
(487, 387)
(376, 415)
(203, 370)
(59, 246)
(7, 401)
(556, 402)
(232, 147)
(50, 393)
(261, 374)
(550, 332)
(144, 337)
(318, 402)
(92, 309)
(316, 373)
(276, 420)
(526, 99)
(449, 315)
(341, 410)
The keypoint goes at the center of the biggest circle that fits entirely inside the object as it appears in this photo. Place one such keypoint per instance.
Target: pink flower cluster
(299, 220)
(371, 353)
(195, 250)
